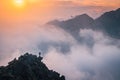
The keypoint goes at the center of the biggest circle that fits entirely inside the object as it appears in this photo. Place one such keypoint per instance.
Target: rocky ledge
(28, 67)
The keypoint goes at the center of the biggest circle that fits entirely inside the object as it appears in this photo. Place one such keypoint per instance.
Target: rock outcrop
(28, 67)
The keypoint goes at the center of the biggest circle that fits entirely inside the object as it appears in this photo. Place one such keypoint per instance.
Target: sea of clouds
(96, 57)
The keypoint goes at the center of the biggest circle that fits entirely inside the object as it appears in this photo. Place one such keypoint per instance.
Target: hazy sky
(45, 10)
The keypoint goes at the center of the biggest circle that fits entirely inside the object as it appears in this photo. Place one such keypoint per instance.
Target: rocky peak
(28, 67)
(83, 16)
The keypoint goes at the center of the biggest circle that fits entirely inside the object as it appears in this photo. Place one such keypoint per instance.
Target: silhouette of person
(39, 54)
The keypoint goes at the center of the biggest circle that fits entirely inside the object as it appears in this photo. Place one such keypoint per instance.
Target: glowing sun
(19, 3)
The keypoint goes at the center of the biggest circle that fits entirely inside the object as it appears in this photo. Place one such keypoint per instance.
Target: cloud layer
(95, 58)
(101, 61)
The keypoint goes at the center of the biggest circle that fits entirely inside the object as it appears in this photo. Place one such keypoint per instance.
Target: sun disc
(19, 3)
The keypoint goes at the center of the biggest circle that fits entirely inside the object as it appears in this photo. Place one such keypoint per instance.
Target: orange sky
(16, 21)
(45, 10)
(109, 3)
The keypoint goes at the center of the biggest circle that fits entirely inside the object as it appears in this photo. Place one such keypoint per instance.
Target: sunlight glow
(19, 3)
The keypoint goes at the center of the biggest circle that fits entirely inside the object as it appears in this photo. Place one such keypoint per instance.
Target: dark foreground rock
(28, 67)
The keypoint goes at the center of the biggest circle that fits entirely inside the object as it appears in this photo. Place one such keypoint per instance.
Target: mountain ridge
(109, 22)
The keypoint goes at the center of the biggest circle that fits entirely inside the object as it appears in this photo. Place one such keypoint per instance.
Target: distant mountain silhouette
(28, 67)
(74, 25)
(109, 22)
